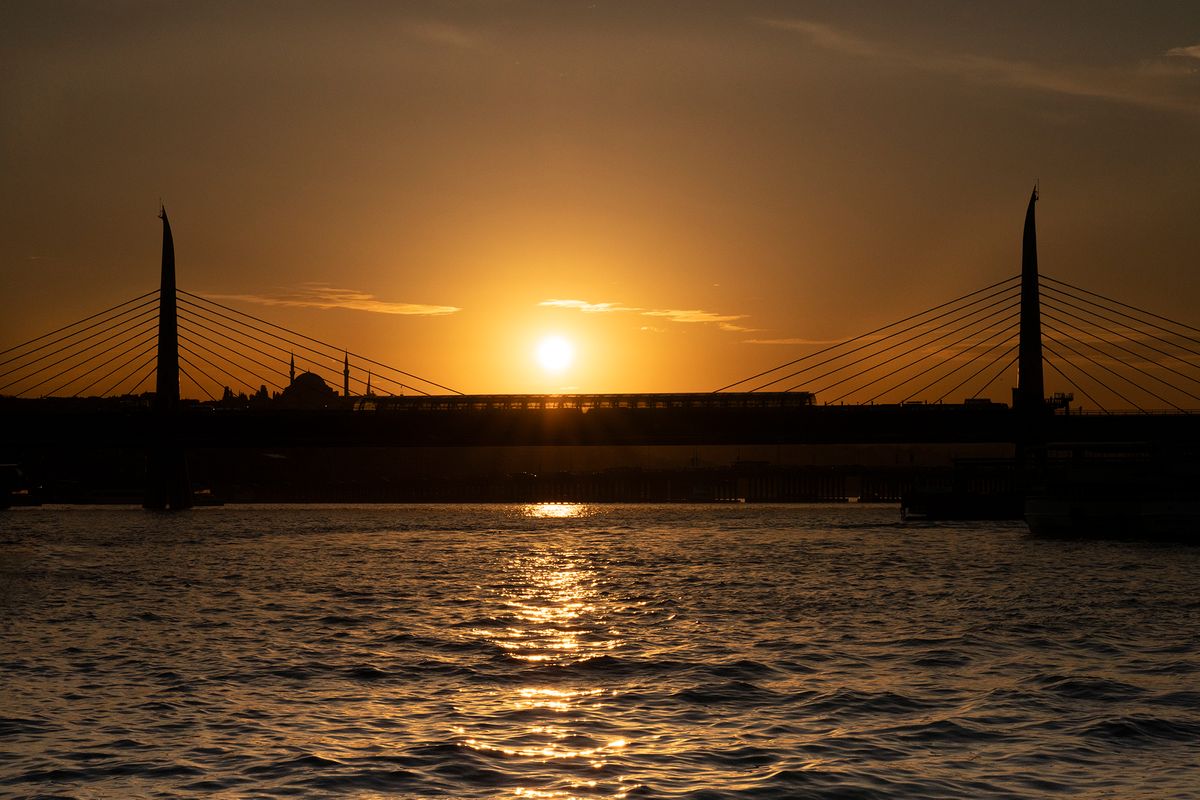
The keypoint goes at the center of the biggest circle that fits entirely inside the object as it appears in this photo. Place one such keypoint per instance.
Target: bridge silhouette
(86, 384)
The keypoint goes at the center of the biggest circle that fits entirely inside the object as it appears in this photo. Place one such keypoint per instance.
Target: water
(596, 651)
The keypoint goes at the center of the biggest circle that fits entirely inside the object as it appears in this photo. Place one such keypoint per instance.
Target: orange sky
(707, 185)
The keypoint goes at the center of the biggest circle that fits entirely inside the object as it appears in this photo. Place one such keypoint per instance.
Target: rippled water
(600, 651)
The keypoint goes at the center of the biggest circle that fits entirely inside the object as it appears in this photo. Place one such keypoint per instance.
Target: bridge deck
(556, 420)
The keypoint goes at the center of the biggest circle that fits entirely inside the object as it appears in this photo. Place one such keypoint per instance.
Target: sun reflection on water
(556, 510)
(554, 613)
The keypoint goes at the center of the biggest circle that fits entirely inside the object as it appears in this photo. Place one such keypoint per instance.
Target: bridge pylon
(1030, 396)
(167, 484)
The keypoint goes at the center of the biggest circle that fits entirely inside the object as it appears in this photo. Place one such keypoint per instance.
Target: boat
(1120, 490)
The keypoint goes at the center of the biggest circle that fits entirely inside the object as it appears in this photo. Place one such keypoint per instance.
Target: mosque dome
(308, 390)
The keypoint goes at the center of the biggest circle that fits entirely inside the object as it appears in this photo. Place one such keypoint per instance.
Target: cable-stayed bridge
(116, 379)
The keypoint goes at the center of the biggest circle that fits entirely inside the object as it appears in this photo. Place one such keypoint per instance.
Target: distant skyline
(682, 193)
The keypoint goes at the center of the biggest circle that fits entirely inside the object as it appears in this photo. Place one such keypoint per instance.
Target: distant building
(307, 390)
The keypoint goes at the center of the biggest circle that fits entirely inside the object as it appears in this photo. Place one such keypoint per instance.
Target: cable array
(221, 347)
(94, 353)
(950, 348)
(114, 352)
(1117, 355)
(1114, 354)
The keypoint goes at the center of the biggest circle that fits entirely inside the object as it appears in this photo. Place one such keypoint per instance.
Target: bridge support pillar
(1030, 396)
(167, 483)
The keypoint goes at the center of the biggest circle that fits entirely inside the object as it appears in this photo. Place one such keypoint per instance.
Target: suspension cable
(236, 380)
(910, 351)
(1130, 352)
(1114, 372)
(267, 367)
(1135, 319)
(1054, 367)
(1053, 302)
(930, 368)
(995, 377)
(885, 338)
(194, 318)
(137, 321)
(200, 311)
(133, 372)
(862, 336)
(147, 341)
(72, 325)
(909, 364)
(233, 335)
(325, 344)
(1126, 305)
(73, 367)
(965, 364)
(197, 383)
(1085, 372)
(138, 385)
(975, 374)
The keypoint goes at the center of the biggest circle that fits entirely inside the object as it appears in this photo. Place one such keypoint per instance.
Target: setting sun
(555, 353)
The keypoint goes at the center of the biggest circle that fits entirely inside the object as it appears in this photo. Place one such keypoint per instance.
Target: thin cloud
(1192, 51)
(441, 33)
(791, 340)
(687, 316)
(828, 37)
(319, 295)
(693, 315)
(586, 307)
(1136, 85)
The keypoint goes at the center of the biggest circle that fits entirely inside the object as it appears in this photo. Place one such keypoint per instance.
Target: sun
(555, 353)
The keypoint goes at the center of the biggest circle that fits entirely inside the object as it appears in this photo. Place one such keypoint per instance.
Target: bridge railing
(587, 402)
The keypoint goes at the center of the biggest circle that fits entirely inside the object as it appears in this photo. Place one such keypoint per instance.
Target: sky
(685, 192)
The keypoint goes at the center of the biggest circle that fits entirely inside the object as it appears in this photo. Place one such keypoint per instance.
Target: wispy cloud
(791, 340)
(319, 295)
(588, 308)
(1192, 51)
(725, 322)
(440, 33)
(828, 37)
(1134, 85)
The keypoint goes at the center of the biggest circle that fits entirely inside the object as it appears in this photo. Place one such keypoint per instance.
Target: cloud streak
(589, 308)
(323, 296)
(792, 340)
(440, 33)
(1137, 85)
(725, 322)
(1192, 52)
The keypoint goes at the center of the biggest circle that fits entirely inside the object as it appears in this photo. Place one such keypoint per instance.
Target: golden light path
(556, 617)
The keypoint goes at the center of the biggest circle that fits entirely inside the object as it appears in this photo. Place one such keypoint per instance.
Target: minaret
(292, 370)
(368, 383)
(346, 376)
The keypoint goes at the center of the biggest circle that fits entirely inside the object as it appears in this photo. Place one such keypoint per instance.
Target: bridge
(924, 378)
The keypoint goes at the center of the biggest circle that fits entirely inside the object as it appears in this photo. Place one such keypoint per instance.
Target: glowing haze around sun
(555, 354)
